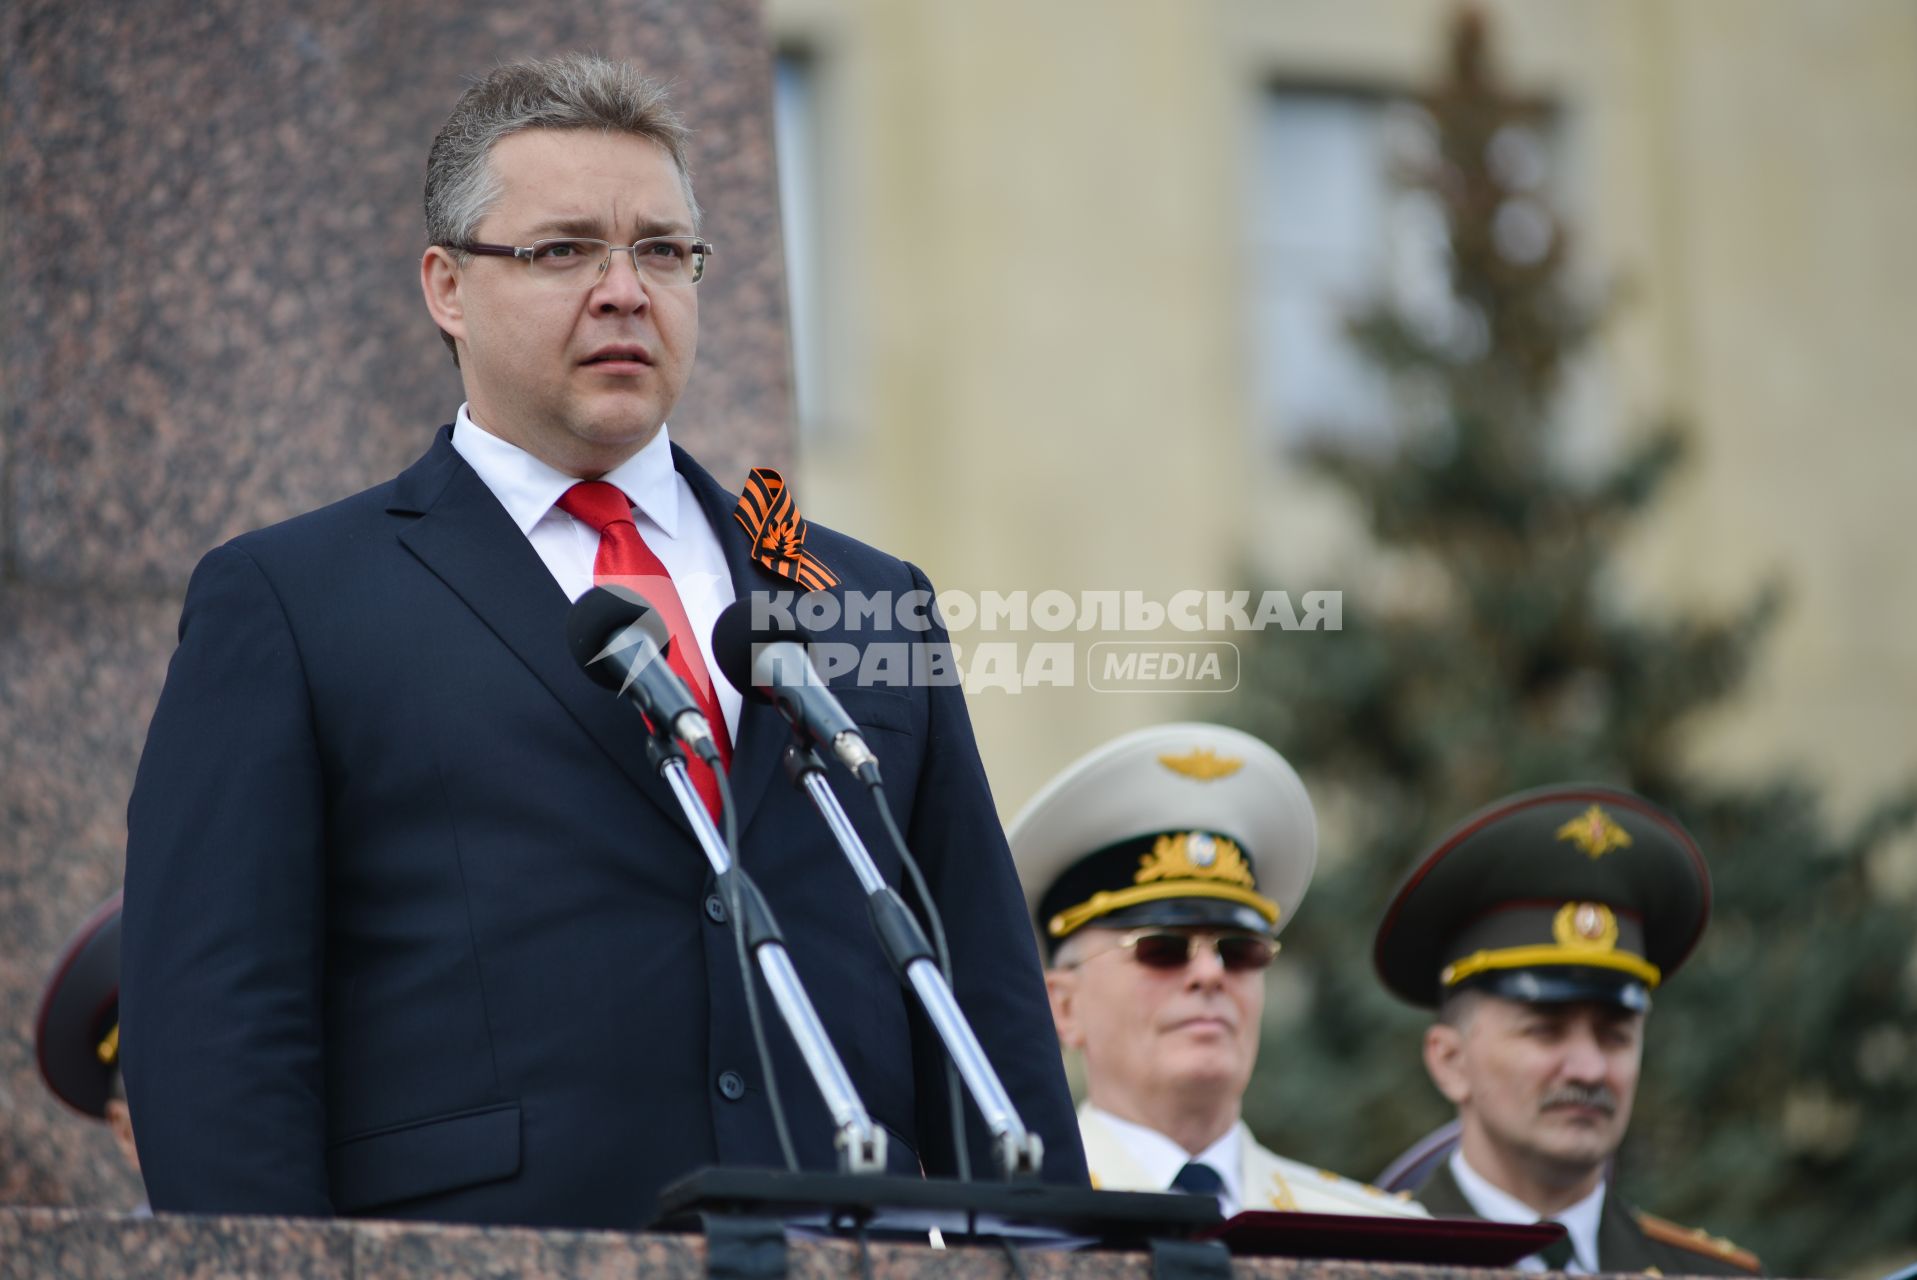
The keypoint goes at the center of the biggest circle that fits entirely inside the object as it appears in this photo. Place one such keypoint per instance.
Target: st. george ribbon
(620, 640)
(769, 662)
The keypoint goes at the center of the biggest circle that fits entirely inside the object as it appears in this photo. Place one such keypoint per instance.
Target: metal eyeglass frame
(700, 249)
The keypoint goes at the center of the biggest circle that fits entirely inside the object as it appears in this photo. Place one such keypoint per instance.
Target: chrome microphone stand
(1017, 1150)
(860, 1142)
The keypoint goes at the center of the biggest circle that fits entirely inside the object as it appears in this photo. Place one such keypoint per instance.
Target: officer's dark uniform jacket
(1628, 1239)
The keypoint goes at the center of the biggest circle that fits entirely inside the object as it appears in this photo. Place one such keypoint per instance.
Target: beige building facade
(1028, 288)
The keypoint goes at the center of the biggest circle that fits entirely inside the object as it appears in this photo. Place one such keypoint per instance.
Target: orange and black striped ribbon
(767, 513)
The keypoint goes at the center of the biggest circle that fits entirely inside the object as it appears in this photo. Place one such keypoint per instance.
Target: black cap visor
(1561, 984)
(1191, 913)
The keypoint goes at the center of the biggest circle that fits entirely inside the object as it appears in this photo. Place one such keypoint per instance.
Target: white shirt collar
(528, 487)
(1159, 1158)
(1498, 1205)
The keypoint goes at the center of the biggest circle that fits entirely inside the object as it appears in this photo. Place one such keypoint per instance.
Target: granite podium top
(87, 1245)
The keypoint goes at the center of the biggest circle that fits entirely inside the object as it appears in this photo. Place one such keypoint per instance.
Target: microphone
(621, 641)
(768, 663)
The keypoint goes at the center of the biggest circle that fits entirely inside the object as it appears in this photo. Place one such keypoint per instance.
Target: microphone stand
(1018, 1151)
(860, 1142)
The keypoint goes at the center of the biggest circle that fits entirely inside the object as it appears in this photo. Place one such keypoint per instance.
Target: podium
(88, 1245)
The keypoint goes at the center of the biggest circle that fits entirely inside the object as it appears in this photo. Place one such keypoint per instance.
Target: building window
(1332, 230)
(795, 126)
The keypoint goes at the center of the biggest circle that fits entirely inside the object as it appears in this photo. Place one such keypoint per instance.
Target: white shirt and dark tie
(1580, 1220)
(1172, 1167)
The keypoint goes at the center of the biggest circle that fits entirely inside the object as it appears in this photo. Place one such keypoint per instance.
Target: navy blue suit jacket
(412, 930)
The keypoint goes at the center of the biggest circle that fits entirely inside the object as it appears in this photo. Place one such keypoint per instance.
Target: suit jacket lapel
(1620, 1242)
(1111, 1165)
(763, 732)
(1442, 1195)
(1261, 1177)
(469, 542)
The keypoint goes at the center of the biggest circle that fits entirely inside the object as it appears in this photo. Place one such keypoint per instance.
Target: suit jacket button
(715, 908)
(732, 1085)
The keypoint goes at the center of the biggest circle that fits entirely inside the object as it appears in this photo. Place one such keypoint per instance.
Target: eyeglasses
(1166, 949)
(578, 263)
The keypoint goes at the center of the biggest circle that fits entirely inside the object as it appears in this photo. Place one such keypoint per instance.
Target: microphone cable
(597, 620)
(736, 914)
(955, 1098)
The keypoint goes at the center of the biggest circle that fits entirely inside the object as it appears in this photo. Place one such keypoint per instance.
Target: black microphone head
(597, 619)
(734, 637)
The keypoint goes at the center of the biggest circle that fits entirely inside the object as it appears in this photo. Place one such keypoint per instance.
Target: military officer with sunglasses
(1160, 869)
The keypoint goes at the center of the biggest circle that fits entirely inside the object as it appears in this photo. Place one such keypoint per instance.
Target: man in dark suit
(1538, 929)
(411, 928)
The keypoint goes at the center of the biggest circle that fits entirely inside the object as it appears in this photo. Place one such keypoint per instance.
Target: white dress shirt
(665, 510)
(1160, 1158)
(1496, 1205)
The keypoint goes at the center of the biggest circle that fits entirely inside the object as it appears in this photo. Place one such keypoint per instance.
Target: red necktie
(624, 559)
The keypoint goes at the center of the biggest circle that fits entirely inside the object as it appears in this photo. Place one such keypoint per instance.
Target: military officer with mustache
(1538, 929)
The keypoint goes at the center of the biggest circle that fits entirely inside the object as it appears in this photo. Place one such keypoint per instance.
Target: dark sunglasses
(1168, 949)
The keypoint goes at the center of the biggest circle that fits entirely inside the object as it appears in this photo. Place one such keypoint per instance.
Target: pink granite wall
(210, 320)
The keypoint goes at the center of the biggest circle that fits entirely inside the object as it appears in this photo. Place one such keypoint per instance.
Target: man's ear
(1444, 1061)
(1061, 985)
(439, 280)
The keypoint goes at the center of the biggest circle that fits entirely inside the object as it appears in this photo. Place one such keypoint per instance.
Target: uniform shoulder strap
(1696, 1240)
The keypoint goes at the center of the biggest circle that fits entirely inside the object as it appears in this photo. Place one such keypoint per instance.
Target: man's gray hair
(572, 91)
(1457, 1007)
(1071, 951)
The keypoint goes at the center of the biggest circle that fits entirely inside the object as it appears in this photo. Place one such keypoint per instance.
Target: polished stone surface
(230, 331)
(209, 237)
(92, 1246)
(79, 672)
(84, 1246)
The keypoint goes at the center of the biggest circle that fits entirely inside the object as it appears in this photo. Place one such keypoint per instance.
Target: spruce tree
(1778, 1104)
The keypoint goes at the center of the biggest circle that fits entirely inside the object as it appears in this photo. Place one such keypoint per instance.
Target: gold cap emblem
(1595, 832)
(1585, 926)
(108, 1050)
(1202, 764)
(1194, 856)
